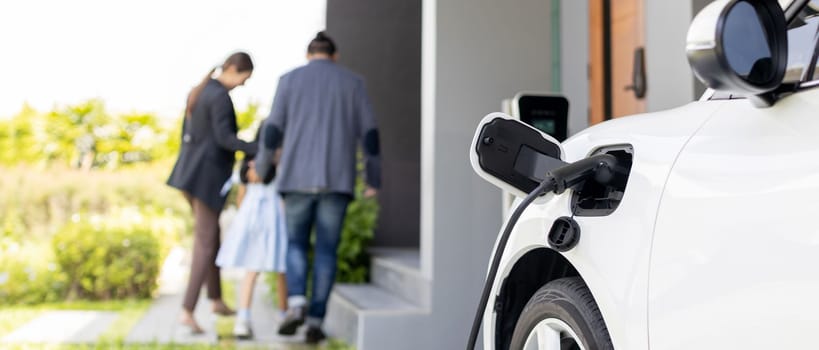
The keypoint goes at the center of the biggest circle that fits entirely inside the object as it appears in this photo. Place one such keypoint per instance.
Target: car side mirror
(740, 46)
(512, 155)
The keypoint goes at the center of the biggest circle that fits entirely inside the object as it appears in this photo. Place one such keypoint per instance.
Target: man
(321, 113)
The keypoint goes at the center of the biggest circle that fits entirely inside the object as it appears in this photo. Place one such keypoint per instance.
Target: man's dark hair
(322, 44)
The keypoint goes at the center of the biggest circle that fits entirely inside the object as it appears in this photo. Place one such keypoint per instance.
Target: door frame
(601, 61)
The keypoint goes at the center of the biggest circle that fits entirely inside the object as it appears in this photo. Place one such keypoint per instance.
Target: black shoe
(314, 335)
(292, 321)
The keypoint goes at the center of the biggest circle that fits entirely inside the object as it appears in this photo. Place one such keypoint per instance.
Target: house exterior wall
(670, 82)
(574, 59)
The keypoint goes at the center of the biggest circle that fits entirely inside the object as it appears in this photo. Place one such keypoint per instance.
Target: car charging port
(600, 198)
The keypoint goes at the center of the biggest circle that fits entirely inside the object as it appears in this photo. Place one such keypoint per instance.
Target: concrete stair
(398, 271)
(372, 316)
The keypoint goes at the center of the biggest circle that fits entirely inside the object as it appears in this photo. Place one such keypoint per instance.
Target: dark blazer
(209, 142)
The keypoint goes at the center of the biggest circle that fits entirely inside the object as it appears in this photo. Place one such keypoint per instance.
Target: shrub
(105, 262)
(353, 259)
(29, 275)
(359, 225)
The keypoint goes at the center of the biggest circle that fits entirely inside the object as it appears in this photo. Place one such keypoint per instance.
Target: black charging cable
(599, 167)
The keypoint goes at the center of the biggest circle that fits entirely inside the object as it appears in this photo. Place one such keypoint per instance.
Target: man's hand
(251, 173)
(370, 192)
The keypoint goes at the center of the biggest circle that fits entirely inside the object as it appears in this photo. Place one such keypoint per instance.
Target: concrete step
(352, 306)
(398, 271)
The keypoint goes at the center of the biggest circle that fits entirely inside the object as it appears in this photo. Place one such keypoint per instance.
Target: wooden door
(616, 35)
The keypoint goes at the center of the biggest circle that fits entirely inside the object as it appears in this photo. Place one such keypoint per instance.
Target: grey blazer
(321, 117)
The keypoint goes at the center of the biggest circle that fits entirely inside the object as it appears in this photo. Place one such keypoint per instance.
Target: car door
(735, 257)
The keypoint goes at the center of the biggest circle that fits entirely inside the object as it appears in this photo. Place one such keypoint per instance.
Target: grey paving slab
(265, 322)
(63, 327)
(161, 323)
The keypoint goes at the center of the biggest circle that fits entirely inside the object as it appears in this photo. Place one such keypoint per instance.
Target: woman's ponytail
(239, 60)
(194, 94)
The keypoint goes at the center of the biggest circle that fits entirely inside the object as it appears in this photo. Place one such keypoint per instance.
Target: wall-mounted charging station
(548, 113)
(544, 111)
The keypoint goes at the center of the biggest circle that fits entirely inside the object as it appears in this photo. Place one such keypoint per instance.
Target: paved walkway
(160, 323)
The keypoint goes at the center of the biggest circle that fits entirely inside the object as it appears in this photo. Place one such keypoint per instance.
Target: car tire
(565, 307)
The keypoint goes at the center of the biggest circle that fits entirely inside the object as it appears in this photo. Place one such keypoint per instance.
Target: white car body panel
(613, 253)
(736, 247)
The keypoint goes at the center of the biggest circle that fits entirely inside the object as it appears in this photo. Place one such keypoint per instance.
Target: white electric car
(705, 235)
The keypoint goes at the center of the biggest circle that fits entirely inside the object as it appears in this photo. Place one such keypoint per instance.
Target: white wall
(670, 82)
(574, 59)
(475, 54)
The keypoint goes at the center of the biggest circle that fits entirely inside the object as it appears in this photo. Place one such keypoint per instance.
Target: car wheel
(561, 315)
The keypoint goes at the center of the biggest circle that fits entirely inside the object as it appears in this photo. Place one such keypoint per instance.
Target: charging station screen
(548, 114)
(546, 125)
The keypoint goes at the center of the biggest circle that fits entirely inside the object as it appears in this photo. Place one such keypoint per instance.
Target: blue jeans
(303, 211)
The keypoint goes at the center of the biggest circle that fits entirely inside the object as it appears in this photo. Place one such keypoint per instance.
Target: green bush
(353, 259)
(104, 262)
(356, 234)
(29, 275)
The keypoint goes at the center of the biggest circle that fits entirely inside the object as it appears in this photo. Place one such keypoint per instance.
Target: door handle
(638, 74)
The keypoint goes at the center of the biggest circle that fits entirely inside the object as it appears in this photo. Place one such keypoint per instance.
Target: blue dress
(257, 237)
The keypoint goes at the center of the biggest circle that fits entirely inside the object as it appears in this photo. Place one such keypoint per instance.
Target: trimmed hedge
(106, 262)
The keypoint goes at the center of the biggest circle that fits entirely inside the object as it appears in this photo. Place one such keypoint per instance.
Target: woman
(204, 165)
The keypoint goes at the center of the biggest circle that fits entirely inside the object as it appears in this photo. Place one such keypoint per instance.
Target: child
(256, 241)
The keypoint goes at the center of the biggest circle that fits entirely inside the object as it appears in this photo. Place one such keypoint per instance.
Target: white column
(474, 54)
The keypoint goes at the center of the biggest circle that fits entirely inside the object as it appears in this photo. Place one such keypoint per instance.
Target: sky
(144, 56)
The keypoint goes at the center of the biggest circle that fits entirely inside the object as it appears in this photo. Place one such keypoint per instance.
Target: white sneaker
(241, 330)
